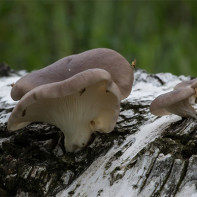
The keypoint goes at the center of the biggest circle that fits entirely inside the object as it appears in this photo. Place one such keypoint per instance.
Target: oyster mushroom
(179, 101)
(80, 94)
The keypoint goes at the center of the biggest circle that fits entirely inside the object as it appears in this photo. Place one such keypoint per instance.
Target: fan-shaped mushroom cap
(86, 101)
(107, 59)
(179, 101)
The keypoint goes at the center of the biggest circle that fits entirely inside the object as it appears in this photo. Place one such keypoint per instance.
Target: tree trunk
(145, 155)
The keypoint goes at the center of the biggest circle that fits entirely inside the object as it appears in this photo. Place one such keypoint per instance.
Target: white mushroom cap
(179, 101)
(85, 102)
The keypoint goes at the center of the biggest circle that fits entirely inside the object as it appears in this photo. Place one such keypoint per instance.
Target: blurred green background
(160, 34)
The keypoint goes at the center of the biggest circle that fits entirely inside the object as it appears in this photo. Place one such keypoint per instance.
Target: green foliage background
(160, 34)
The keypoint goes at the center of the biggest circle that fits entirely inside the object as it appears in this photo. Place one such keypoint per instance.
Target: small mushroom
(179, 101)
(80, 94)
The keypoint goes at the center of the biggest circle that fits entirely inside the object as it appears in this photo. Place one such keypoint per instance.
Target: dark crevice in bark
(183, 174)
(148, 173)
(164, 182)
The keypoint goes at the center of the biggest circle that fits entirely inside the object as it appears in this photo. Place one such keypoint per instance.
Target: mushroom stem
(77, 135)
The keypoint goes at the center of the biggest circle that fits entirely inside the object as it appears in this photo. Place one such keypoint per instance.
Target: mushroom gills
(77, 115)
(184, 108)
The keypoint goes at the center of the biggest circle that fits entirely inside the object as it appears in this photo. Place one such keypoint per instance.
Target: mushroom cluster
(80, 94)
(179, 101)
